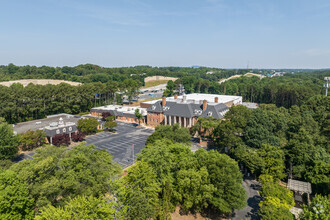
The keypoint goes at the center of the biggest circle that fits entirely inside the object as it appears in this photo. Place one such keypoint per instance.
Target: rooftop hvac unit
(53, 124)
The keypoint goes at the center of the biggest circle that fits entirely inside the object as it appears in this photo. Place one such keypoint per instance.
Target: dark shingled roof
(188, 110)
(66, 129)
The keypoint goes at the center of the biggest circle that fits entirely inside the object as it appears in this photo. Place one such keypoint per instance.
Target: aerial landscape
(140, 109)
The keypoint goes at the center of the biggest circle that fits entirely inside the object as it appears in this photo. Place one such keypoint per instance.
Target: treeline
(18, 103)
(273, 144)
(291, 89)
(88, 73)
(276, 141)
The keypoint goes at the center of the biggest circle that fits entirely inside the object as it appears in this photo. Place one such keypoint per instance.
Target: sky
(213, 33)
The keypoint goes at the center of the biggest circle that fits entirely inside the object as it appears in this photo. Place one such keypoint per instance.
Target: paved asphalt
(120, 144)
(251, 210)
(150, 95)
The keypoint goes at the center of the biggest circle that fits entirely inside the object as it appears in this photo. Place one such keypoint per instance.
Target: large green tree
(319, 209)
(139, 191)
(175, 133)
(15, 200)
(277, 200)
(197, 181)
(32, 139)
(81, 207)
(55, 173)
(8, 141)
(87, 125)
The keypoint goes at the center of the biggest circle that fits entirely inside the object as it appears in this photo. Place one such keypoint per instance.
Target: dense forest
(88, 73)
(291, 89)
(286, 137)
(275, 144)
(18, 103)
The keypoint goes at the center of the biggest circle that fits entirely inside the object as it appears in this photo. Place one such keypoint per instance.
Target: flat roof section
(122, 109)
(208, 97)
(250, 105)
(34, 125)
(197, 98)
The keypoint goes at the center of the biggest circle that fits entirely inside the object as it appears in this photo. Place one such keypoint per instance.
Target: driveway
(251, 210)
(120, 144)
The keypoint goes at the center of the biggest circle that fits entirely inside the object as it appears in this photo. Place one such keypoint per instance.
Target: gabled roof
(189, 110)
(300, 186)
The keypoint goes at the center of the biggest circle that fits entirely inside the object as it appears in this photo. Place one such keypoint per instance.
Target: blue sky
(215, 33)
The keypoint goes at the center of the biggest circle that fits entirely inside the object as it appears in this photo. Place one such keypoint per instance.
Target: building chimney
(204, 104)
(175, 96)
(184, 98)
(216, 99)
(163, 101)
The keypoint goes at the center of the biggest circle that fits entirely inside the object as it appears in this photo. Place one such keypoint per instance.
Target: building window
(70, 128)
(64, 129)
(157, 120)
(57, 131)
(153, 120)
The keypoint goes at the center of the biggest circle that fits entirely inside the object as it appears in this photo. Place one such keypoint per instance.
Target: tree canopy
(87, 125)
(56, 174)
(81, 207)
(8, 141)
(197, 181)
(174, 133)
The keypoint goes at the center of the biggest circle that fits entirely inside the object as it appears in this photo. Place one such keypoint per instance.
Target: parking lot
(120, 144)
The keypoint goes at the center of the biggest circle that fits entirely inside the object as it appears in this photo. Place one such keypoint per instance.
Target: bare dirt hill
(26, 82)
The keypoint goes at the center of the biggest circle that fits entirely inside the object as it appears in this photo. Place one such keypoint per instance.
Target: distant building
(122, 113)
(250, 105)
(52, 125)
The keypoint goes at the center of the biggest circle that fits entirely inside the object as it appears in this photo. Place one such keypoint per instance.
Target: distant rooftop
(210, 98)
(197, 98)
(250, 105)
(121, 109)
(43, 123)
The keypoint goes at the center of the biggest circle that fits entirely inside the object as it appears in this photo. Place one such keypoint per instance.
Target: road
(251, 210)
(150, 95)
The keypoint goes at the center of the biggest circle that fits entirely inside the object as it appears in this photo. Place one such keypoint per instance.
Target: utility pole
(326, 85)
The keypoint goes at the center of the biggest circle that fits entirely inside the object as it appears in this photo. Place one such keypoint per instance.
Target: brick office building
(185, 110)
